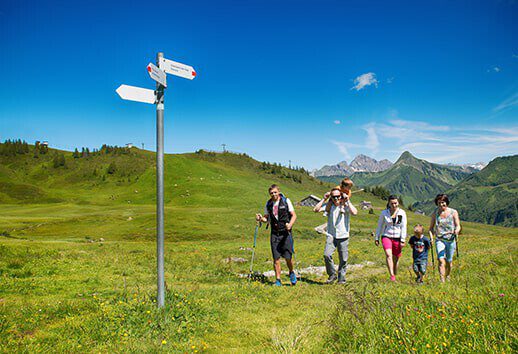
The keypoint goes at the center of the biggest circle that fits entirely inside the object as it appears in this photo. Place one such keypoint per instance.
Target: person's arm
(264, 217)
(317, 207)
(431, 229)
(292, 220)
(261, 218)
(403, 230)
(351, 207)
(456, 220)
(291, 210)
(379, 229)
(411, 241)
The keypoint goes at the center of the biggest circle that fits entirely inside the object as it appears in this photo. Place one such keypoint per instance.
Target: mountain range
(361, 163)
(489, 196)
(413, 178)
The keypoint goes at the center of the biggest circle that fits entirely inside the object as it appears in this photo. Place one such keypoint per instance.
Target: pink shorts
(393, 244)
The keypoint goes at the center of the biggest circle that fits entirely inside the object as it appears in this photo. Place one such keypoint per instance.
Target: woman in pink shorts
(392, 230)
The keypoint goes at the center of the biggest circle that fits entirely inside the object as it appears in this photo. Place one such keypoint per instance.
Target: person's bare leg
(289, 263)
(390, 264)
(448, 269)
(277, 267)
(442, 270)
(394, 267)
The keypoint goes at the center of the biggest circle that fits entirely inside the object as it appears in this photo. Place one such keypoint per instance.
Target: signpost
(158, 73)
(178, 69)
(138, 94)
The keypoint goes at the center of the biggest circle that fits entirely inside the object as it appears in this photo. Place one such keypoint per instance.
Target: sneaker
(293, 278)
(341, 281)
(277, 283)
(392, 278)
(331, 279)
(418, 279)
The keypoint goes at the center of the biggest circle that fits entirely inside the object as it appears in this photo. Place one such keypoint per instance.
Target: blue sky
(314, 82)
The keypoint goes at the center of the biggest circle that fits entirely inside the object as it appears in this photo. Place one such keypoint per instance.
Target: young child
(346, 185)
(420, 246)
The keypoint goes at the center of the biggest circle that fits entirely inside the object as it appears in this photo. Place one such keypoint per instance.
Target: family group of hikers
(392, 229)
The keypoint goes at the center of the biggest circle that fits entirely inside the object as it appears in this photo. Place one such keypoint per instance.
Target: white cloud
(390, 80)
(372, 141)
(343, 148)
(496, 69)
(443, 144)
(507, 103)
(337, 122)
(365, 80)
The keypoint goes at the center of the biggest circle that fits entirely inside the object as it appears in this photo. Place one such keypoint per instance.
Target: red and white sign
(178, 69)
(157, 74)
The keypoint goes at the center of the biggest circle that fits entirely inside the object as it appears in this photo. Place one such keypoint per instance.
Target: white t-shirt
(338, 222)
(276, 208)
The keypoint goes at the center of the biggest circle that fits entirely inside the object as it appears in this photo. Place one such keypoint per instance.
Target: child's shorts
(420, 267)
(445, 249)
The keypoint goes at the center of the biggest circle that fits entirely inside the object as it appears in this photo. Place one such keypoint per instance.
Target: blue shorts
(445, 249)
(420, 266)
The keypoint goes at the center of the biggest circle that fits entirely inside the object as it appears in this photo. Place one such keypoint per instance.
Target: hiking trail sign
(178, 69)
(158, 73)
(138, 94)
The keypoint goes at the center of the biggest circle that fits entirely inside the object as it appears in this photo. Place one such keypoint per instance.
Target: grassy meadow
(77, 269)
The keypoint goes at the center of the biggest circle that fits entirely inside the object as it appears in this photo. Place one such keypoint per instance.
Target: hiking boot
(293, 278)
(277, 283)
(418, 279)
(331, 279)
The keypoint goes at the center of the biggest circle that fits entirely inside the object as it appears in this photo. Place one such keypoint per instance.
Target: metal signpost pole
(160, 188)
(158, 73)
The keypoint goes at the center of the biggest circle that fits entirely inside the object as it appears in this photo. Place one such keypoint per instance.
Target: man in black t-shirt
(279, 212)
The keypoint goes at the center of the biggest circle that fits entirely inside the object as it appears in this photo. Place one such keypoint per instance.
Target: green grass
(64, 290)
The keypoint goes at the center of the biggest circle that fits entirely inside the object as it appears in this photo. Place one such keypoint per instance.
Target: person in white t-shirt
(338, 225)
(279, 212)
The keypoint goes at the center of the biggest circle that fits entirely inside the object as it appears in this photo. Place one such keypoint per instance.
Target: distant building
(419, 212)
(129, 145)
(311, 200)
(45, 143)
(365, 205)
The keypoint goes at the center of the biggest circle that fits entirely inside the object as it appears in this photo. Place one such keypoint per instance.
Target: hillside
(78, 269)
(123, 175)
(413, 178)
(489, 196)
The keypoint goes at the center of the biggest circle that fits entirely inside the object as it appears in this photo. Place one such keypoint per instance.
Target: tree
(59, 160)
(111, 168)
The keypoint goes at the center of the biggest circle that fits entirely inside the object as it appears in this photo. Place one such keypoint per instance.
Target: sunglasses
(336, 197)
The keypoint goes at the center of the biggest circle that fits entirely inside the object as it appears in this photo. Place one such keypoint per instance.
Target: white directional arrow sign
(157, 74)
(138, 94)
(178, 69)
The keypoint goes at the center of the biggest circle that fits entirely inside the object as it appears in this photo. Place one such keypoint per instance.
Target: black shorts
(282, 244)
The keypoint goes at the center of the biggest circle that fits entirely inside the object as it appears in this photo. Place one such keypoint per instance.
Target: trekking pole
(431, 247)
(457, 248)
(253, 250)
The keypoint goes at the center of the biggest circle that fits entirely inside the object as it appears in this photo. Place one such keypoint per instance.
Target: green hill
(489, 196)
(413, 178)
(113, 174)
(78, 271)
